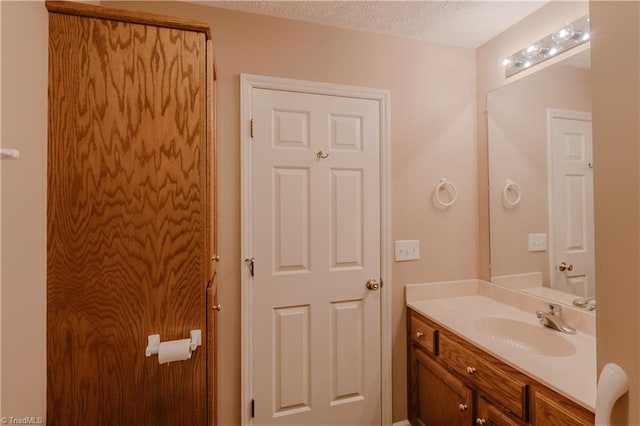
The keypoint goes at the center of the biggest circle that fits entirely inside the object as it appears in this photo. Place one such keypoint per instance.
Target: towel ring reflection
(514, 188)
(449, 187)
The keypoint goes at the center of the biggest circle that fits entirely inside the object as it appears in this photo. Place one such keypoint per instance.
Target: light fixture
(567, 37)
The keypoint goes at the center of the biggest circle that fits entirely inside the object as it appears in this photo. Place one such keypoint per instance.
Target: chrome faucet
(585, 302)
(552, 319)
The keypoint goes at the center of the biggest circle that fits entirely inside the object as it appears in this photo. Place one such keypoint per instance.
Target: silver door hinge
(251, 127)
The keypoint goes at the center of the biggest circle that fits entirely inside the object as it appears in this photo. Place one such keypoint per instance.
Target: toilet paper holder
(153, 342)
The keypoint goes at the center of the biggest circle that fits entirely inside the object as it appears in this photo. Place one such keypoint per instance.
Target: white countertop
(572, 375)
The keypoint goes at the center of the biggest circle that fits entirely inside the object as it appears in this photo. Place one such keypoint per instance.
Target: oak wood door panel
(442, 399)
(127, 221)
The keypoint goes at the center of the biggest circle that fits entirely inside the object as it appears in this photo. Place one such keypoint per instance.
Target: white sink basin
(532, 338)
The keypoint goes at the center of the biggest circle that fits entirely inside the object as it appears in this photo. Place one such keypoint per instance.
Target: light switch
(407, 250)
(537, 242)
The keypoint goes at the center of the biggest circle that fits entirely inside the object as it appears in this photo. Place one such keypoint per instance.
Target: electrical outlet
(407, 250)
(537, 242)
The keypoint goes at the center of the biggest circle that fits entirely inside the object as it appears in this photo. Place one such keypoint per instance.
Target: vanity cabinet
(552, 411)
(453, 382)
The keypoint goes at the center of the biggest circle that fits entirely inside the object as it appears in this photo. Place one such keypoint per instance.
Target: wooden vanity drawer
(423, 334)
(494, 377)
(558, 411)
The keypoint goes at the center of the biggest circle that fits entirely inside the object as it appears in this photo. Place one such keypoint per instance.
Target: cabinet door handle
(463, 407)
(480, 421)
(419, 335)
(471, 370)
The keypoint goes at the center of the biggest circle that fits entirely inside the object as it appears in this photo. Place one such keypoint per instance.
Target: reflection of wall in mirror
(517, 125)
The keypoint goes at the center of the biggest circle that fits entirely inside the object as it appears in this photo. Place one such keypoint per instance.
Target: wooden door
(440, 398)
(488, 414)
(572, 219)
(128, 217)
(316, 243)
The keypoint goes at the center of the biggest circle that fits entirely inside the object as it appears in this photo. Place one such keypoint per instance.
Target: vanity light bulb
(531, 51)
(506, 62)
(586, 36)
(563, 35)
(552, 51)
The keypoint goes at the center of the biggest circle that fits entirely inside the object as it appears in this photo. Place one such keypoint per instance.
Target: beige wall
(23, 227)
(433, 136)
(616, 135)
(517, 129)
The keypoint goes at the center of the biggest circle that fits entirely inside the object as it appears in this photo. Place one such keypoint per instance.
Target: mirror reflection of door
(571, 226)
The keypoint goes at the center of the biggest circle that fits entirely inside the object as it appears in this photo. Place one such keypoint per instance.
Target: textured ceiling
(455, 22)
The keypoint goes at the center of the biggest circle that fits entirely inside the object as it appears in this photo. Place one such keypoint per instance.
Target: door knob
(565, 266)
(373, 285)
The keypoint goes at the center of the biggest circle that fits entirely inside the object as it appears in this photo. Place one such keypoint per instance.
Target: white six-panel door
(315, 242)
(572, 224)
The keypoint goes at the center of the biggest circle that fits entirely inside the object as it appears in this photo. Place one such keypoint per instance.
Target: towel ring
(451, 188)
(511, 186)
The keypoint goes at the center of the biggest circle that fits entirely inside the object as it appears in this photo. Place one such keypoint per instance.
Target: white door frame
(551, 114)
(249, 82)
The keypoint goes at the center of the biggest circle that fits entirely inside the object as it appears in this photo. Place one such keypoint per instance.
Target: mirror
(541, 182)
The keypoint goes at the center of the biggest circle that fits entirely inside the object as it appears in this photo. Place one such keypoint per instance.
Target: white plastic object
(612, 384)
(196, 339)
(9, 153)
(153, 342)
(511, 186)
(449, 186)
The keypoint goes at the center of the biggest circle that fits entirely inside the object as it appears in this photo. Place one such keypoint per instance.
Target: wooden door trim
(91, 11)
(248, 82)
(212, 240)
